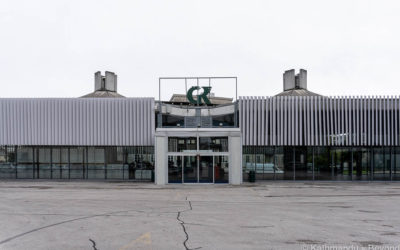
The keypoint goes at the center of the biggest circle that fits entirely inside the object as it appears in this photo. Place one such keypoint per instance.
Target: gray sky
(52, 48)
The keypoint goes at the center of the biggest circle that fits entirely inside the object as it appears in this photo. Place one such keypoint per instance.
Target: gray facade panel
(325, 121)
(73, 121)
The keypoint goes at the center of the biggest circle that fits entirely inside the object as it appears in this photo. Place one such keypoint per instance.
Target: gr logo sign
(201, 97)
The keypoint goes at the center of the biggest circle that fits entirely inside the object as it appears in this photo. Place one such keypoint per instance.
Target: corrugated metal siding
(76, 121)
(320, 121)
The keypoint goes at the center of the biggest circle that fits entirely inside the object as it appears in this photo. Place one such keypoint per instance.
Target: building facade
(295, 135)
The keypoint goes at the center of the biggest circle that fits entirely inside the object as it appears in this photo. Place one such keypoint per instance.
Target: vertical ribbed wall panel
(396, 117)
(353, 120)
(323, 121)
(262, 117)
(74, 121)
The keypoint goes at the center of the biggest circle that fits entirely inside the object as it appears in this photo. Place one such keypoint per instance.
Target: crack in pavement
(93, 243)
(183, 225)
(59, 223)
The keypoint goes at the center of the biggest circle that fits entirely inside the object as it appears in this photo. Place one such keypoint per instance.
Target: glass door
(221, 169)
(190, 170)
(198, 169)
(175, 169)
(206, 169)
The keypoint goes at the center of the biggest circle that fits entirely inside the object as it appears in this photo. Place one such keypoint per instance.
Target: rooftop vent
(104, 86)
(293, 81)
(105, 83)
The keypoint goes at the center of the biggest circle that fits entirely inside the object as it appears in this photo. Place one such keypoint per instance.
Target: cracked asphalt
(268, 215)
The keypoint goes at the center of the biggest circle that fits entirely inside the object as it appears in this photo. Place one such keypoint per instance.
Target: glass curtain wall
(136, 163)
(396, 164)
(221, 169)
(7, 162)
(60, 163)
(382, 164)
(42, 166)
(322, 163)
(303, 163)
(115, 159)
(175, 169)
(77, 163)
(25, 162)
(341, 164)
(140, 163)
(361, 167)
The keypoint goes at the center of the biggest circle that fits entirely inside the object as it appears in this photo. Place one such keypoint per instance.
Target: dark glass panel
(60, 163)
(269, 168)
(396, 163)
(182, 144)
(190, 169)
(43, 163)
(342, 164)
(25, 162)
(214, 144)
(322, 163)
(77, 170)
(175, 169)
(224, 120)
(95, 163)
(303, 163)
(361, 164)
(140, 163)
(248, 161)
(7, 163)
(221, 169)
(115, 162)
(206, 169)
(172, 121)
(382, 164)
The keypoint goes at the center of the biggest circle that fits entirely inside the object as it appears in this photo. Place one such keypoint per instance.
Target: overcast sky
(52, 48)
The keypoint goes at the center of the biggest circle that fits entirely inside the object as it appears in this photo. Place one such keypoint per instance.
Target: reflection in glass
(190, 169)
(221, 169)
(206, 169)
(381, 168)
(25, 162)
(322, 163)
(95, 163)
(342, 164)
(114, 162)
(214, 144)
(303, 163)
(396, 163)
(77, 163)
(361, 164)
(60, 163)
(43, 163)
(174, 169)
(184, 144)
(7, 163)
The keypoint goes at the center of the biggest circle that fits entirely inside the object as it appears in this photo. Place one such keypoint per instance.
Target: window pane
(182, 144)
(214, 144)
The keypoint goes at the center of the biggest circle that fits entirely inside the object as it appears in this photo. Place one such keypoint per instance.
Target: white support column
(235, 160)
(161, 166)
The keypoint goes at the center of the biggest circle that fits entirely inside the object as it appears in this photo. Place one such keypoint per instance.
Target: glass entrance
(198, 169)
(190, 169)
(198, 160)
(206, 173)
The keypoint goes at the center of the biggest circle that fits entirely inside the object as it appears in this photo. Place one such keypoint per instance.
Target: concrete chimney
(302, 76)
(97, 81)
(105, 83)
(288, 80)
(293, 81)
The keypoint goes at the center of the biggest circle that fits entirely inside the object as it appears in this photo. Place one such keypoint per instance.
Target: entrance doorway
(198, 169)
